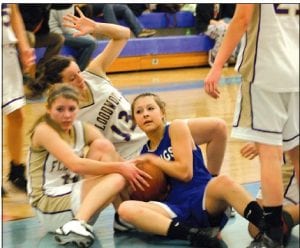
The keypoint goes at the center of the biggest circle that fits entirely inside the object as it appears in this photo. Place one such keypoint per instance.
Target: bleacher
(172, 47)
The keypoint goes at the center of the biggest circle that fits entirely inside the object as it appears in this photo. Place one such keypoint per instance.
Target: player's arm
(236, 29)
(46, 137)
(181, 140)
(91, 133)
(118, 38)
(249, 151)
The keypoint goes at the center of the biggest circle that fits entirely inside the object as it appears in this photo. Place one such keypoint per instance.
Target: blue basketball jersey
(201, 176)
(186, 199)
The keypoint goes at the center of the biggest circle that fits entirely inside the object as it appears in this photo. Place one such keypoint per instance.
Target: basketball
(158, 186)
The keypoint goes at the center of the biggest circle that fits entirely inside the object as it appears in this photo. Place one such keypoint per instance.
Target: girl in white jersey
(267, 109)
(66, 189)
(103, 105)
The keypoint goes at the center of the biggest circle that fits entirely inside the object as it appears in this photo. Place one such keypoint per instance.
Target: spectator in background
(83, 45)
(138, 8)
(36, 17)
(112, 12)
(212, 20)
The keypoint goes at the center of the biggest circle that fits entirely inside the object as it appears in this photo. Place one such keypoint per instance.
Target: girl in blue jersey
(66, 188)
(195, 200)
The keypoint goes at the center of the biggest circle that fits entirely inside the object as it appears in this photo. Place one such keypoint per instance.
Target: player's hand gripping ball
(158, 186)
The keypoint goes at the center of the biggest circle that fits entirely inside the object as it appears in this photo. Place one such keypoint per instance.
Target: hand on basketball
(135, 176)
(211, 82)
(83, 24)
(249, 151)
(144, 158)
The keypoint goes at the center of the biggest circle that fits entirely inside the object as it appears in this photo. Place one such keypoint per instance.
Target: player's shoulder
(178, 125)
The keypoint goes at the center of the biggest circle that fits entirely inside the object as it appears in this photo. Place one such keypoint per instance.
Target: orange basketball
(158, 188)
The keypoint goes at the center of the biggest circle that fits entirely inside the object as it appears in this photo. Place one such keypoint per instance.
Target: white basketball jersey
(7, 32)
(49, 176)
(269, 54)
(110, 112)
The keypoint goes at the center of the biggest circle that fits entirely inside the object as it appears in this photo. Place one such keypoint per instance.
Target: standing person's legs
(53, 43)
(109, 14)
(269, 119)
(84, 47)
(124, 12)
(12, 103)
(270, 158)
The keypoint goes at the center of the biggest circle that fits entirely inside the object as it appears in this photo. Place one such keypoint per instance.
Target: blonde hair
(56, 90)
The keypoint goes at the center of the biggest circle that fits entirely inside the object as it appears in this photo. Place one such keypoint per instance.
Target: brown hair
(56, 90)
(49, 73)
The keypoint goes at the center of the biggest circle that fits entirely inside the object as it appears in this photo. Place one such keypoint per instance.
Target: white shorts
(267, 117)
(13, 91)
(52, 221)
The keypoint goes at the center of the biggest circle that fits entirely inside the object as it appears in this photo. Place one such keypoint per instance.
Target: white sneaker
(232, 213)
(75, 232)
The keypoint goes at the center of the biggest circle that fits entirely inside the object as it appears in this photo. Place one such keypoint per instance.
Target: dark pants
(113, 12)
(84, 47)
(53, 43)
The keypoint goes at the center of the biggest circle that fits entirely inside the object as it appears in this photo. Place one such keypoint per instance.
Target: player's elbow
(187, 176)
(75, 165)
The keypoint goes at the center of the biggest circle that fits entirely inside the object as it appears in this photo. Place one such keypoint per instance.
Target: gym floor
(182, 90)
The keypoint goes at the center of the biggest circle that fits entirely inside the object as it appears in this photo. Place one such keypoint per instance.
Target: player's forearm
(112, 31)
(236, 29)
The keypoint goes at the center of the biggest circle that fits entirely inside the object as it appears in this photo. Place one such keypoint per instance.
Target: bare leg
(14, 135)
(294, 156)
(145, 216)
(293, 210)
(222, 192)
(99, 191)
(212, 132)
(271, 178)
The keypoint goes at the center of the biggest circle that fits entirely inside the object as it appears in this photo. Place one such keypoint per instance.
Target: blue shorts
(190, 209)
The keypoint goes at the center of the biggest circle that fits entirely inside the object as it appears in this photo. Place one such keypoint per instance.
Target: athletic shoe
(146, 33)
(75, 232)
(288, 224)
(205, 238)
(255, 243)
(16, 176)
(3, 192)
(121, 225)
(232, 212)
(263, 241)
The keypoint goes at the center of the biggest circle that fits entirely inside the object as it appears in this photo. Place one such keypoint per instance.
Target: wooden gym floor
(182, 90)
